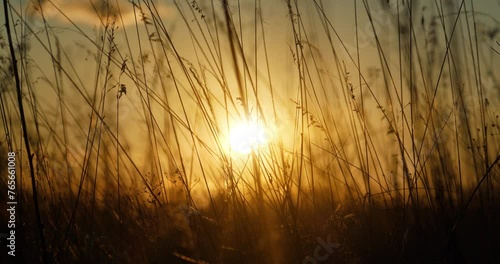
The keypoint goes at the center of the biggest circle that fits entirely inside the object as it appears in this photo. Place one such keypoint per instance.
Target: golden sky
(78, 26)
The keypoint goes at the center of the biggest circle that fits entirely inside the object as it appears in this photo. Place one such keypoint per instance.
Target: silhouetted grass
(383, 142)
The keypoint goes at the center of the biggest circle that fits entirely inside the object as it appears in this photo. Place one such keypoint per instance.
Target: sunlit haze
(247, 136)
(250, 131)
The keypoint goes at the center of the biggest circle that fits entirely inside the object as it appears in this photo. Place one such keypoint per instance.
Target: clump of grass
(380, 140)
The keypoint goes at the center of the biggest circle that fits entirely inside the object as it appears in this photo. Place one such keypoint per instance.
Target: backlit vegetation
(245, 131)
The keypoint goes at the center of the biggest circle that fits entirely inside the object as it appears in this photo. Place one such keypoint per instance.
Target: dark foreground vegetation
(381, 119)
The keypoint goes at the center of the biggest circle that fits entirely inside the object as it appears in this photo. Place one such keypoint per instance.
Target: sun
(246, 137)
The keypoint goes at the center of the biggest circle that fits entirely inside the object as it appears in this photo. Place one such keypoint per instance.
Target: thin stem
(25, 132)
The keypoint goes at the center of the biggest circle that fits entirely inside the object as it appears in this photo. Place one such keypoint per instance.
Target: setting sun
(249, 131)
(247, 136)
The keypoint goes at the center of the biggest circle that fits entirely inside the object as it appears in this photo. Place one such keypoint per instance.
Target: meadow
(249, 131)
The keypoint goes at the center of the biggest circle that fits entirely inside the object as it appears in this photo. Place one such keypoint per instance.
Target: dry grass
(383, 140)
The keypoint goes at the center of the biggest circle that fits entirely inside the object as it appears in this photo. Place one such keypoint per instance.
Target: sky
(88, 16)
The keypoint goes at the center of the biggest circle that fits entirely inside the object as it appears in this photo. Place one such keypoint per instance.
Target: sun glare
(246, 137)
